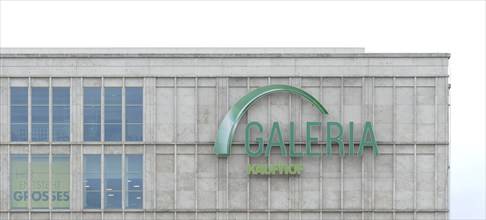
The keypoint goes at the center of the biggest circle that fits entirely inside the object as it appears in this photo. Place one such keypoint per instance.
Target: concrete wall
(405, 96)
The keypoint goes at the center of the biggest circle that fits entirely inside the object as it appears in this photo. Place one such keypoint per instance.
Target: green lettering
(279, 143)
(336, 139)
(309, 140)
(259, 140)
(364, 142)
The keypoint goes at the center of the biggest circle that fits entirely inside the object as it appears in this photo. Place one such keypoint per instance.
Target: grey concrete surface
(186, 96)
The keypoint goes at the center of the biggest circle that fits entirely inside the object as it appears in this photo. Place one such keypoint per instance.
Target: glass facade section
(40, 182)
(60, 114)
(92, 114)
(134, 181)
(134, 114)
(60, 182)
(113, 114)
(113, 190)
(113, 181)
(19, 186)
(39, 190)
(92, 181)
(19, 114)
(40, 114)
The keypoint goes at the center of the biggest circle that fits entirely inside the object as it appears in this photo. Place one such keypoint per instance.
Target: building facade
(131, 134)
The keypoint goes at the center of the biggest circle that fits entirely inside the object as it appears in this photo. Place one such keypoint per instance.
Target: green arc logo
(224, 138)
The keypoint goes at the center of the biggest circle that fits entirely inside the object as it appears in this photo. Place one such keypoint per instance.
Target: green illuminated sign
(224, 138)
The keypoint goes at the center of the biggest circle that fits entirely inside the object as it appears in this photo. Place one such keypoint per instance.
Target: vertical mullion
(269, 122)
(124, 188)
(175, 147)
(102, 109)
(341, 158)
(435, 148)
(320, 156)
(415, 148)
(123, 111)
(394, 145)
(196, 102)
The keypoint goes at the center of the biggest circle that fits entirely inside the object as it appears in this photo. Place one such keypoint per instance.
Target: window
(40, 114)
(92, 181)
(41, 191)
(134, 183)
(113, 189)
(39, 105)
(92, 114)
(112, 114)
(134, 114)
(60, 114)
(19, 114)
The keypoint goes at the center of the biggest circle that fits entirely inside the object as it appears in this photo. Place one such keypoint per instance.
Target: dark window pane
(113, 114)
(113, 96)
(40, 132)
(134, 163)
(40, 114)
(92, 132)
(113, 200)
(113, 181)
(113, 132)
(92, 163)
(19, 114)
(60, 95)
(18, 132)
(92, 114)
(40, 96)
(92, 95)
(134, 200)
(134, 181)
(60, 132)
(19, 95)
(92, 200)
(113, 163)
(134, 132)
(134, 114)
(92, 181)
(60, 114)
(134, 95)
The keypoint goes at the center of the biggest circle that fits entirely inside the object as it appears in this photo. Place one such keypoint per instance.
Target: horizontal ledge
(204, 143)
(225, 55)
(228, 210)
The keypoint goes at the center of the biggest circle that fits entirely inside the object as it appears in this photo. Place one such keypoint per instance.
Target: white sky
(454, 27)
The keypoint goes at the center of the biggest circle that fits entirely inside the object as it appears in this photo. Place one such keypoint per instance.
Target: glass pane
(40, 132)
(92, 132)
(92, 114)
(134, 95)
(60, 181)
(113, 200)
(113, 114)
(113, 96)
(92, 200)
(92, 181)
(134, 181)
(40, 96)
(134, 200)
(60, 95)
(19, 114)
(19, 96)
(18, 181)
(134, 114)
(113, 132)
(92, 96)
(60, 132)
(134, 132)
(60, 114)
(18, 132)
(113, 181)
(40, 181)
(134, 163)
(92, 163)
(113, 163)
(40, 114)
